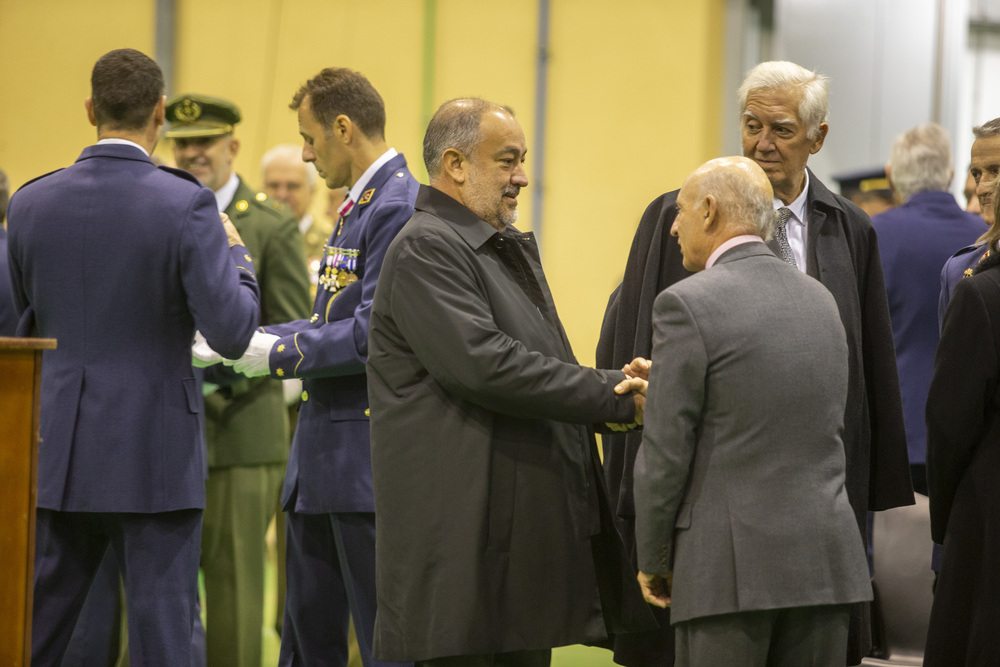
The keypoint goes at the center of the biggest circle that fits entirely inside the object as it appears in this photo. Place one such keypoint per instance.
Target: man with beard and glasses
(495, 542)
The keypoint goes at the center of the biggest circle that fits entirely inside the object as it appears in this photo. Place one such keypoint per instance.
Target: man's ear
(820, 138)
(343, 129)
(455, 165)
(88, 104)
(160, 112)
(710, 212)
(234, 146)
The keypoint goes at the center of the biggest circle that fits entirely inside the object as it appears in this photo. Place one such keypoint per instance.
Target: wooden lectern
(20, 382)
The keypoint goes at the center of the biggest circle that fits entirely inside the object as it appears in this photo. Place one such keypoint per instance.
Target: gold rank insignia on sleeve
(366, 196)
(280, 372)
(248, 258)
(242, 205)
(281, 347)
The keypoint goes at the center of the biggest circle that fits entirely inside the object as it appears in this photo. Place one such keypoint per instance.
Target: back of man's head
(125, 87)
(456, 125)
(4, 195)
(920, 160)
(778, 75)
(742, 193)
(339, 91)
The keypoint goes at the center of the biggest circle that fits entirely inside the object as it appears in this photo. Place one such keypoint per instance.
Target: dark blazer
(121, 261)
(493, 533)
(246, 420)
(8, 317)
(842, 253)
(739, 483)
(915, 240)
(963, 465)
(329, 468)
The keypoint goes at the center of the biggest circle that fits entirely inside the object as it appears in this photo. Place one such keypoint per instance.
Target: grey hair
(290, 151)
(920, 160)
(456, 125)
(747, 206)
(988, 129)
(781, 74)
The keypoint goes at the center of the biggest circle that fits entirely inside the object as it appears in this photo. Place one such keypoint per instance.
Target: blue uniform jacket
(959, 266)
(121, 261)
(915, 240)
(329, 467)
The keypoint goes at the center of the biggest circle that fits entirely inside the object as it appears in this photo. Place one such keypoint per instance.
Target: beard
(484, 200)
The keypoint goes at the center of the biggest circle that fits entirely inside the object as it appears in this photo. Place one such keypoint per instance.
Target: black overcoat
(963, 465)
(493, 531)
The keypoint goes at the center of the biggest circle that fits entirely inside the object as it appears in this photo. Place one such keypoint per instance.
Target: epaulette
(186, 175)
(38, 178)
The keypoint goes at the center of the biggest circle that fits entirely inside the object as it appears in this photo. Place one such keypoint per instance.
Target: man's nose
(519, 177)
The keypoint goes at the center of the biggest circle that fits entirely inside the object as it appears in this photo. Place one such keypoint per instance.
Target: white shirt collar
(355, 194)
(798, 206)
(731, 243)
(123, 142)
(305, 223)
(224, 195)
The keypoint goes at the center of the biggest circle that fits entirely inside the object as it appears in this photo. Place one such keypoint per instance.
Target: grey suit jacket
(739, 482)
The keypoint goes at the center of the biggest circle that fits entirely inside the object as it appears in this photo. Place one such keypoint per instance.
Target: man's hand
(638, 388)
(202, 355)
(231, 233)
(637, 368)
(656, 588)
(255, 361)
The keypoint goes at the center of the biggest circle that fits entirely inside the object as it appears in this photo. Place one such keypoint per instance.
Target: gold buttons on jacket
(305, 395)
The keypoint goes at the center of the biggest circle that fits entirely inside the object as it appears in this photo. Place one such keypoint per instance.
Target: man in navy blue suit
(915, 240)
(327, 491)
(121, 262)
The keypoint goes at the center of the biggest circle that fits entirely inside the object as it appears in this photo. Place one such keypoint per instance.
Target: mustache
(512, 191)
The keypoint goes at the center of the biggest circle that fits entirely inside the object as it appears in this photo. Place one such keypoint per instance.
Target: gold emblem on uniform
(242, 205)
(368, 412)
(366, 196)
(315, 318)
(188, 112)
(305, 396)
(967, 273)
(345, 278)
(281, 347)
(248, 258)
(280, 372)
(261, 196)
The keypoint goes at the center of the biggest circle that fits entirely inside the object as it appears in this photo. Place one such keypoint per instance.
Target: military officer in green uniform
(246, 421)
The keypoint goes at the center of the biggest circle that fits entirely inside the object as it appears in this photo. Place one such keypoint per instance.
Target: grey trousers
(792, 637)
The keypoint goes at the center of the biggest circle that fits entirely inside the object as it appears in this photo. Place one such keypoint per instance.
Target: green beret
(200, 116)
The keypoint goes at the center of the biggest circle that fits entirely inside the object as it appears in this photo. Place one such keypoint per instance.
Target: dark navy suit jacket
(915, 240)
(8, 318)
(121, 261)
(329, 467)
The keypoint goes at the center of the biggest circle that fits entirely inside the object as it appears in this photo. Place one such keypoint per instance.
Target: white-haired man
(915, 240)
(783, 120)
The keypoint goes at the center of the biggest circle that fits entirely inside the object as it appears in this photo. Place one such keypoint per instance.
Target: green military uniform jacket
(245, 419)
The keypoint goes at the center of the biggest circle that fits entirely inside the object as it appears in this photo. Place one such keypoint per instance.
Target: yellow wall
(633, 104)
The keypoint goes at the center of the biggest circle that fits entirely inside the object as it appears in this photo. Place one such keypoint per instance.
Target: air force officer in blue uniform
(327, 491)
(121, 262)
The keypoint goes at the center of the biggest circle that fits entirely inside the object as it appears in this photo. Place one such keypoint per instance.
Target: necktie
(781, 237)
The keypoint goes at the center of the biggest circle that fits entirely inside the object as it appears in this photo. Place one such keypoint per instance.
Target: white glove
(203, 355)
(255, 361)
(292, 390)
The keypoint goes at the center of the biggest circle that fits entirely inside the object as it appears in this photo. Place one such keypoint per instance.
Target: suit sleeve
(889, 467)
(674, 407)
(959, 399)
(444, 315)
(340, 347)
(220, 283)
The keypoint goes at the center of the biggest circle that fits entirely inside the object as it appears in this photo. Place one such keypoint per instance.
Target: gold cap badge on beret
(200, 116)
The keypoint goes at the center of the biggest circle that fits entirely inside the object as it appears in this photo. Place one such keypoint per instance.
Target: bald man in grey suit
(742, 517)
